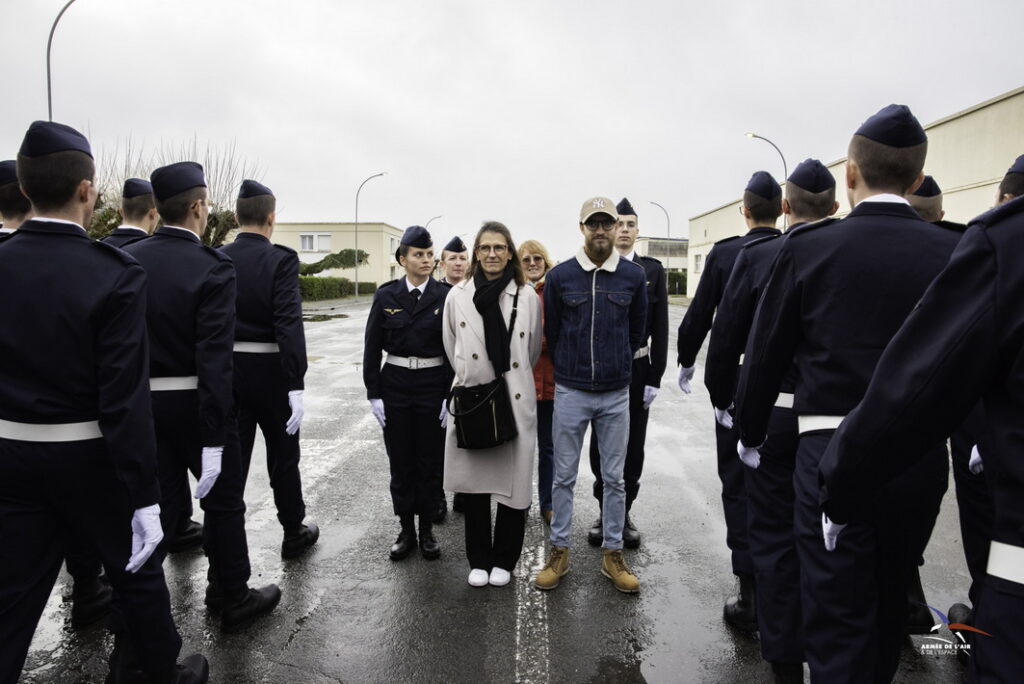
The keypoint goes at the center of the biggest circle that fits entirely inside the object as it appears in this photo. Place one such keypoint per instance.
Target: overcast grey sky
(512, 111)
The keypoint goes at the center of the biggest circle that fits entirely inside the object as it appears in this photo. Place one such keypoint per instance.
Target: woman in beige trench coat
(471, 327)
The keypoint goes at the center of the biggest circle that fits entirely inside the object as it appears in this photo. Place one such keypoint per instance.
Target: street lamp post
(668, 229)
(49, 42)
(357, 226)
(785, 169)
(427, 224)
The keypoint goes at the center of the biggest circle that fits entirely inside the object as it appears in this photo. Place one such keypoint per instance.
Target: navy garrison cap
(8, 172)
(251, 188)
(894, 126)
(763, 185)
(416, 236)
(456, 245)
(812, 176)
(624, 207)
(928, 188)
(47, 137)
(175, 179)
(1018, 165)
(133, 187)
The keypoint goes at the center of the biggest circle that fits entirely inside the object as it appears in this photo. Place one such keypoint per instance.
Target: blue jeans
(545, 451)
(609, 414)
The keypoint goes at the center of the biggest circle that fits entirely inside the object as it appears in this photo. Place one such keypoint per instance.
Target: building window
(697, 266)
(323, 242)
(306, 242)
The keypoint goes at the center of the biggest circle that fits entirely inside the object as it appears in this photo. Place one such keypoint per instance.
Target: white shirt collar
(885, 197)
(131, 227)
(610, 264)
(185, 231)
(56, 220)
(5, 231)
(629, 257)
(422, 287)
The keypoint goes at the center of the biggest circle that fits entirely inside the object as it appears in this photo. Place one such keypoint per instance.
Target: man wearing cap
(191, 321)
(138, 213)
(648, 366)
(454, 262)
(810, 197)
(837, 294)
(594, 309)
(762, 205)
(407, 394)
(270, 357)
(77, 455)
(14, 206)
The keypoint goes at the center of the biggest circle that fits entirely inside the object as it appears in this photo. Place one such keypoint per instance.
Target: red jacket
(544, 370)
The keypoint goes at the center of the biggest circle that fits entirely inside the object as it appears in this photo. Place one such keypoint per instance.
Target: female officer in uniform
(407, 393)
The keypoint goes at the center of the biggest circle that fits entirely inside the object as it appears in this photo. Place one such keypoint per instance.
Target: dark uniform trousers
(999, 658)
(47, 491)
(634, 465)
(179, 447)
(773, 543)
(855, 597)
(261, 398)
(734, 499)
(974, 501)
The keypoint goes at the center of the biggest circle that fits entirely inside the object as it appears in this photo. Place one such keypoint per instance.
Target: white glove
(146, 534)
(831, 531)
(295, 420)
(211, 469)
(723, 418)
(975, 465)
(685, 375)
(649, 394)
(377, 407)
(444, 414)
(750, 456)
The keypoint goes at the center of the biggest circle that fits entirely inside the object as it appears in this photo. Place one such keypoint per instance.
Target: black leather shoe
(740, 611)
(90, 601)
(296, 541)
(959, 614)
(919, 616)
(788, 673)
(429, 548)
(193, 670)
(253, 604)
(189, 536)
(595, 537)
(630, 535)
(124, 670)
(441, 514)
(405, 543)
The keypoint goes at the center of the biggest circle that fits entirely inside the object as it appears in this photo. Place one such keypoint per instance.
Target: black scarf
(496, 335)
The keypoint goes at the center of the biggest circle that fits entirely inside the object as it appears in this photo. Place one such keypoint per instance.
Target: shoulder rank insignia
(392, 311)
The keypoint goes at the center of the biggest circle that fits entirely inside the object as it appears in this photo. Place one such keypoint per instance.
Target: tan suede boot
(613, 566)
(557, 565)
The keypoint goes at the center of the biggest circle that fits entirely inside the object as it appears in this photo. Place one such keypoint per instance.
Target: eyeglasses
(600, 226)
(497, 249)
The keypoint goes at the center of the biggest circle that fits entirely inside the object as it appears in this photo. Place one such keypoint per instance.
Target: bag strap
(484, 400)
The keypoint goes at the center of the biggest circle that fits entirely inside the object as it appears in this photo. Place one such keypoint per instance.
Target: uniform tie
(415, 292)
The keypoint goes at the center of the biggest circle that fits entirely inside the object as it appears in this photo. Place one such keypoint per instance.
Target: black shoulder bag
(483, 413)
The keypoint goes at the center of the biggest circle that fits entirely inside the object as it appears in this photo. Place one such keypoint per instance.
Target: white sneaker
(500, 577)
(478, 578)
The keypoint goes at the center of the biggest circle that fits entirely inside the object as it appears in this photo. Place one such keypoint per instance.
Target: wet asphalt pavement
(349, 614)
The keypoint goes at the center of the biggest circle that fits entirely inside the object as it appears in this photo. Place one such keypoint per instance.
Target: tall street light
(357, 226)
(49, 42)
(785, 169)
(668, 223)
(427, 224)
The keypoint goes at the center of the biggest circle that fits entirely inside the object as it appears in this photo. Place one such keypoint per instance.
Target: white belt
(190, 382)
(55, 432)
(1006, 561)
(812, 423)
(785, 400)
(414, 362)
(642, 352)
(257, 347)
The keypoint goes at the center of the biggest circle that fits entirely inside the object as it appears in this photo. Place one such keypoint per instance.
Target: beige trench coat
(506, 471)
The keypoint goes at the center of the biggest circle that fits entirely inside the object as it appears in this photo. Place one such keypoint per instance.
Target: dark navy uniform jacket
(656, 321)
(735, 315)
(74, 345)
(399, 324)
(122, 236)
(268, 304)
(717, 268)
(838, 293)
(963, 342)
(191, 320)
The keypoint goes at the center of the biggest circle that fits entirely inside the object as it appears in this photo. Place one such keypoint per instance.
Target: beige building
(314, 241)
(671, 252)
(968, 154)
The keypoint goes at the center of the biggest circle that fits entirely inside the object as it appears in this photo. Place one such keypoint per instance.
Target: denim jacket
(594, 321)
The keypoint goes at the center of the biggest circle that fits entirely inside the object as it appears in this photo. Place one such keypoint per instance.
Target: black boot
(429, 548)
(919, 616)
(248, 605)
(188, 536)
(124, 668)
(298, 539)
(90, 600)
(406, 541)
(595, 537)
(740, 611)
(959, 614)
(630, 535)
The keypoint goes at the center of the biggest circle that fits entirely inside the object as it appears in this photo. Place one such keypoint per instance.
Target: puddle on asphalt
(317, 318)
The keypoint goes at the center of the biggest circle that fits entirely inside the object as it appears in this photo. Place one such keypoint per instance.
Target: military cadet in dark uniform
(270, 357)
(14, 206)
(407, 394)
(762, 205)
(77, 454)
(810, 197)
(962, 343)
(648, 366)
(191, 322)
(138, 213)
(837, 294)
(454, 263)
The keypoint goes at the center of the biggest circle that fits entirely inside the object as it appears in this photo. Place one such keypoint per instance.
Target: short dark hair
(136, 208)
(50, 181)
(1012, 184)
(762, 210)
(254, 211)
(514, 263)
(810, 205)
(13, 203)
(173, 210)
(929, 208)
(886, 168)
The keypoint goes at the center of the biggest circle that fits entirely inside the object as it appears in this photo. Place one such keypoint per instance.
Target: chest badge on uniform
(392, 311)
(436, 311)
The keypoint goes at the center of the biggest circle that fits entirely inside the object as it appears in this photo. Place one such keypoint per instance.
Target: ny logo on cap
(598, 204)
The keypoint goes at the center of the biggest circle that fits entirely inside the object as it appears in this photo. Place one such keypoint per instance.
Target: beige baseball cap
(598, 205)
